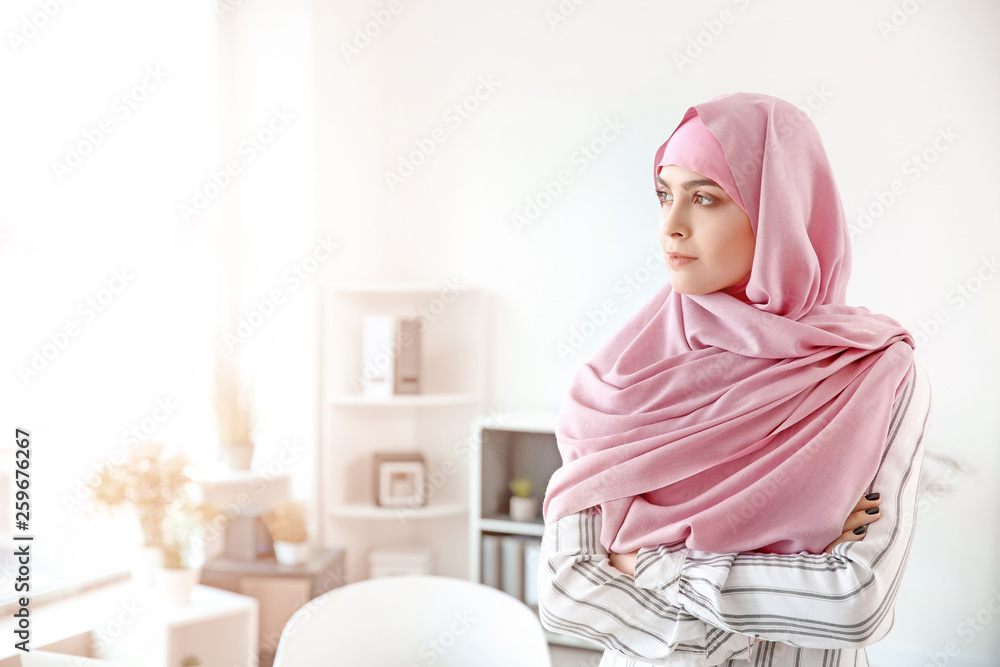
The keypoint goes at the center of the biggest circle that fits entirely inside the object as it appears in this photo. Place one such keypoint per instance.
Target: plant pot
(145, 562)
(239, 456)
(523, 509)
(291, 553)
(175, 584)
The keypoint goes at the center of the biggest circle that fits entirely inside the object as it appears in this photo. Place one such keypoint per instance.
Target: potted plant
(522, 505)
(147, 481)
(287, 526)
(234, 414)
(181, 567)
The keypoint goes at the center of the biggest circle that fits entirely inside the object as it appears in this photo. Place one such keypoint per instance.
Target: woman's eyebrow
(687, 185)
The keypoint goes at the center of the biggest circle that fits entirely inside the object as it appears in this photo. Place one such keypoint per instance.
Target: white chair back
(413, 620)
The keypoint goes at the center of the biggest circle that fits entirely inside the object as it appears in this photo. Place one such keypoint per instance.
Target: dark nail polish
(871, 510)
(872, 496)
(861, 530)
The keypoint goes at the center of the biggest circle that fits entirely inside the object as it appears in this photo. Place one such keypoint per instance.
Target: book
(512, 568)
(490, 574)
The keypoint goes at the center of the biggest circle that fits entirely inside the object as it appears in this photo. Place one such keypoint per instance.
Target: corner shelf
(516, 445)
(353, 427)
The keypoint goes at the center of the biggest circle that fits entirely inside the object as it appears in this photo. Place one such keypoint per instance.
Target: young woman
(715, 448)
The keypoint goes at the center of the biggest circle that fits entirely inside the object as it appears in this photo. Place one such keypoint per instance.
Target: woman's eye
(664, 197)
(705, 201)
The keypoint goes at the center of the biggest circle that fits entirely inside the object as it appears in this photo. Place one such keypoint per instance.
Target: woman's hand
(865, 512)
(624, 562)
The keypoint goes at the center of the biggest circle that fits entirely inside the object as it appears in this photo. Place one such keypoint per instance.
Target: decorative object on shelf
(391, 355)
(399, 479)
(287, 526)
(407, 379)
(147, 482)
(522, 505)
(181, 569)
(234, 414)
(378, 361)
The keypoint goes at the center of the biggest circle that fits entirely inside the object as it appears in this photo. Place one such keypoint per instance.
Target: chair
(406, 620)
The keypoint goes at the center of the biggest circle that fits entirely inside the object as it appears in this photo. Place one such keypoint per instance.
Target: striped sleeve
(839, 600)
(581, 594)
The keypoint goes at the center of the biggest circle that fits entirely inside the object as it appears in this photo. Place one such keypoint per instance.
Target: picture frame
(399, 479)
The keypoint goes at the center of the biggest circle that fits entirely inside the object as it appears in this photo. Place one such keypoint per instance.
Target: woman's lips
(676, 260)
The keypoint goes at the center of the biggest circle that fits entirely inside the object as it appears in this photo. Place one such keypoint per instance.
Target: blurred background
(183, 180)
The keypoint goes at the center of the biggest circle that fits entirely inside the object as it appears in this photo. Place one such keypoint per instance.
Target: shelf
(512, 527)
(367, 511)
(404, 400)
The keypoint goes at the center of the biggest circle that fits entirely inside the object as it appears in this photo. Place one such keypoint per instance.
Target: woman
(714, 450)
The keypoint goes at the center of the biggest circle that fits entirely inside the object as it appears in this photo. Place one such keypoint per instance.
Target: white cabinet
(506, 447)
(434, 422)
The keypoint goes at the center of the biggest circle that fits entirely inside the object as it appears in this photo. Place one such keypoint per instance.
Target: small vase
(145, 562)
(239, 456)
(522, 509)
(175, 584)
(291, 553)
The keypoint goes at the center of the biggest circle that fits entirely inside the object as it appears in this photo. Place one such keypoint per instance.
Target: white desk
(216, 626)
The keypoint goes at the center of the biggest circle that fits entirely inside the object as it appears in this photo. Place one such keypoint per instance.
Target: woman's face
(706, 237)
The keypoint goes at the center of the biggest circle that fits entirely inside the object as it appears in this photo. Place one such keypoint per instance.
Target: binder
(512, 570)
(490, 574)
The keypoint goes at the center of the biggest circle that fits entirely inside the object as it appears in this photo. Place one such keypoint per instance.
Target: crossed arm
(681, 600)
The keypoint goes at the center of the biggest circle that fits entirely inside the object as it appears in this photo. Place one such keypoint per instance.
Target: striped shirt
(693, 608)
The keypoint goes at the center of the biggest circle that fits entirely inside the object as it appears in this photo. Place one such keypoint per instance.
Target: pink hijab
(752, 418)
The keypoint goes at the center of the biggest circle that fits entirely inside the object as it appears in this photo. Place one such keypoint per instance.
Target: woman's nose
(673, 222)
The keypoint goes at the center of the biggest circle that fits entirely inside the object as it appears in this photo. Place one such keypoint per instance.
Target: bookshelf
(352, 427)
(504, 447)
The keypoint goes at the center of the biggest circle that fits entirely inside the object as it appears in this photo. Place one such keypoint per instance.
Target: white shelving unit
(435, 422)
(515, 445)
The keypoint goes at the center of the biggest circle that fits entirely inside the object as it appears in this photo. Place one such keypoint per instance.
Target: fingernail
(861, 530)
(871, 510)
(872, 496)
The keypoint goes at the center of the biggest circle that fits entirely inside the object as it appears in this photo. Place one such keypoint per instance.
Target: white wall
(877, 99)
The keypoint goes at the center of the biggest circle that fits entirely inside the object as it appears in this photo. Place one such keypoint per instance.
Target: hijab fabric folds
(752, 418)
